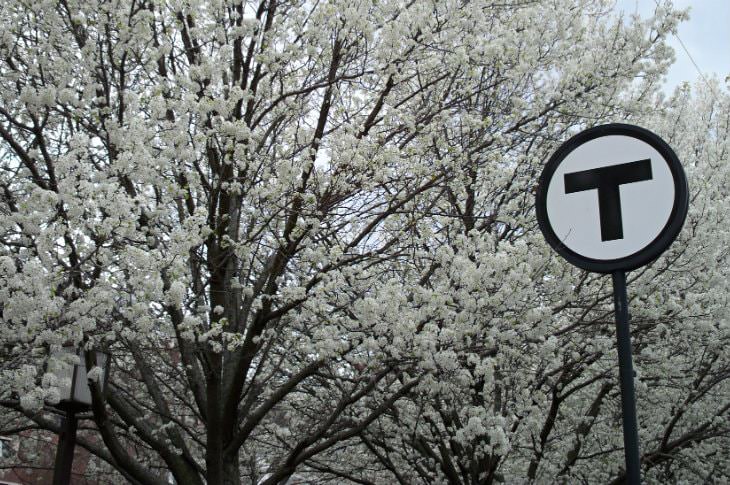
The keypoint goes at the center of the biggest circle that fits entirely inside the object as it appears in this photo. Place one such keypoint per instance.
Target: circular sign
(611, 198)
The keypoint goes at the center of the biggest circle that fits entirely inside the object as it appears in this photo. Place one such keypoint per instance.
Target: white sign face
(610, 197)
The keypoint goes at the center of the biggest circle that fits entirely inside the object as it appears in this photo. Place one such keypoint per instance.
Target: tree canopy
(305, 232)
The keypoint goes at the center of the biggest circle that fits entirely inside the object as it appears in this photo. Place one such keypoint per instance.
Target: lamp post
(75, 397)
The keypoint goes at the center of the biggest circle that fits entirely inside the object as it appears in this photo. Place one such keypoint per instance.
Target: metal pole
(626, 374)
(65, 450)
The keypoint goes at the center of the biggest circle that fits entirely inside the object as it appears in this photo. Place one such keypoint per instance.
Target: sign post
(626, 376)
(612, 199)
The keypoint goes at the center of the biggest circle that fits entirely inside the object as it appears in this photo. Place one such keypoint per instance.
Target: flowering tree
(525, 386)
(304, 231)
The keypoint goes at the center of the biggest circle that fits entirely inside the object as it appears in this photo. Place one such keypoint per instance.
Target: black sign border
(649, 252)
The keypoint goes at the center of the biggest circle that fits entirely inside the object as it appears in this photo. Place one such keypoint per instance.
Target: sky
(706, 35)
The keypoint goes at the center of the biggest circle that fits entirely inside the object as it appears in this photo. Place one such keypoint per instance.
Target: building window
(6, 447)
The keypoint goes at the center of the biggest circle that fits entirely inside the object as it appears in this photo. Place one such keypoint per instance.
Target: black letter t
(607, 181)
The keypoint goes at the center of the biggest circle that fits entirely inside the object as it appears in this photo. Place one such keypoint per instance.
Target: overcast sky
(706, 35)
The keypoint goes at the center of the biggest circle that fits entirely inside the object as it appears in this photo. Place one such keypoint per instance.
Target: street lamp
(75, 396)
